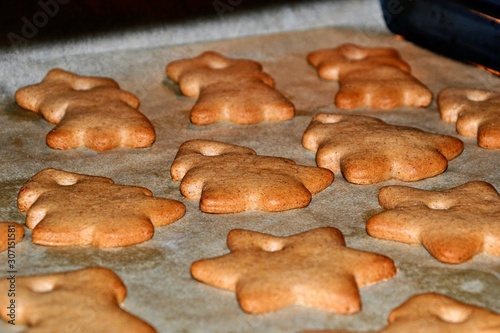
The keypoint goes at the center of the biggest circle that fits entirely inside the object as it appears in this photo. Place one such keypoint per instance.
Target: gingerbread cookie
(453, 225)
(313, 268)
(89, 111)
(10, 234)
(232, 90)
(373, 77)
(475, 112)
(86, 300)
(437, 313)
(229, 179)
(67, 209)
(367, 150)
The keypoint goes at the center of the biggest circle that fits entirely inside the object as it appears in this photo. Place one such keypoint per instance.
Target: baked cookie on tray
(88, 111)
(367, 150)
(228, 179)
(453, 225)
(476, 114)
(229, 90)
(86, 300)
(313, 269)
(71, 209)
(436, 313)
(370, 77)
(10, 234)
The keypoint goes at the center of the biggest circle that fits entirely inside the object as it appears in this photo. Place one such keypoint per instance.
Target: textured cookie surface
(373, 77)
(437, 313)
(453, 225)
(10, 234)
(87, 300)
(313, 268)
(66, 209)
(475, 112)
(232, 90)
(228, 178)
(89, 111)
(367, 150)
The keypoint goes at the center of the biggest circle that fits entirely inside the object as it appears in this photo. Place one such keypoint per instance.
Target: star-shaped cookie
(373, 77)
(313, 269)
(228, 179)
(453, 225)
(86, 300)
(367, 150)
(89, 111)
(437, 313)
(10, 234)
(475, 112)
(232, 90)
(68, 209)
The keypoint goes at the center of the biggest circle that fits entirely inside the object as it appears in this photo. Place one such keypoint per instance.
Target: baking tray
(156, 273)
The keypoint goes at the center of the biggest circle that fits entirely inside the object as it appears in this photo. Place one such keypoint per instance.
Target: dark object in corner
(465, 30)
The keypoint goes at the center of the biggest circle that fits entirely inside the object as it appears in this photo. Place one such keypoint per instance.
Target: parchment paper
(156, 273)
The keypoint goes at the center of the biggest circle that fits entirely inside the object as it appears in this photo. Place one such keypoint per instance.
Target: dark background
(40, 20)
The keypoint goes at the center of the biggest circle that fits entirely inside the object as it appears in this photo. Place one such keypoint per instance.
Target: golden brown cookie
(228, 179)
(475, 112)
(89, 111)
(10, 234)
(453, 225)
(232, 90)
(313, 269)
(437, 313)
(68, 209)
(367, 150)
(86, 300)
(373, 77)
